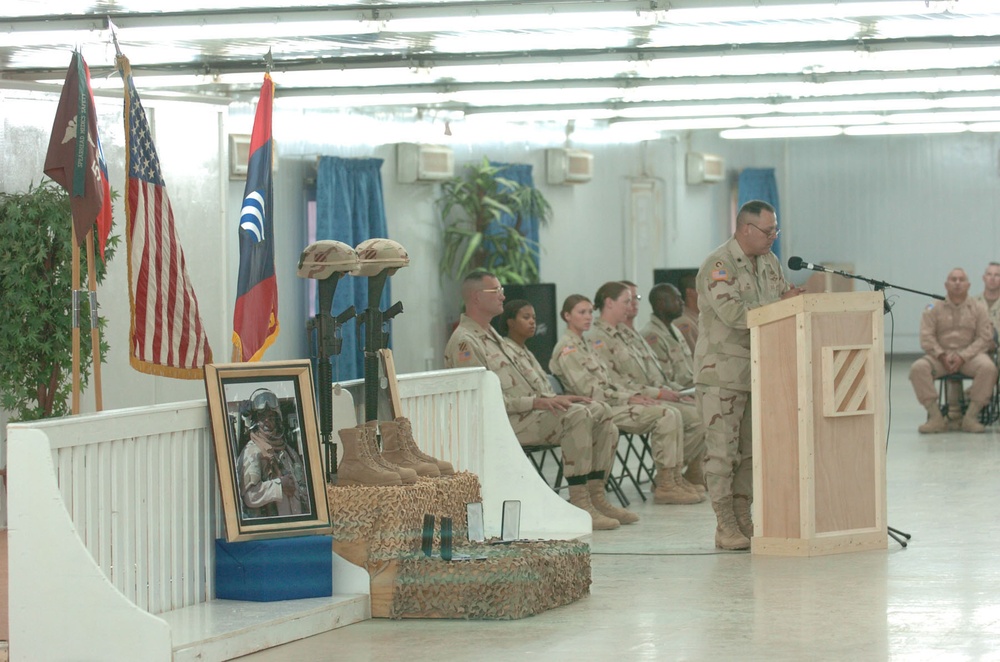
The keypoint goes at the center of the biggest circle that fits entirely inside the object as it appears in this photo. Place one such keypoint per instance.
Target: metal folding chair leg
(537, 455)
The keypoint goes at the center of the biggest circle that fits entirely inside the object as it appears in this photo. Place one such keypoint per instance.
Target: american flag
(166, 336)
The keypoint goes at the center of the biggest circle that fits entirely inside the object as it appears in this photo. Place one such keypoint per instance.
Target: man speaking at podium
(738, 276)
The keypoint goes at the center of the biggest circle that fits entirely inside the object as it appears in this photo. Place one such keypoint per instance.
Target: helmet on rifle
(323, 258)
(380, 254)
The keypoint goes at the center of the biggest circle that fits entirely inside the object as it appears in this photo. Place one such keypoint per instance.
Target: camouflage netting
(512, 581)
(375, 524)
(379, 529)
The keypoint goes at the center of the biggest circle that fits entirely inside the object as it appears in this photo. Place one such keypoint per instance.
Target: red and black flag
(255, 320)
(75, 160)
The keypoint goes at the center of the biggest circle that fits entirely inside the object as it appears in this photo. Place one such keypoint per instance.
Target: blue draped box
(269, 570)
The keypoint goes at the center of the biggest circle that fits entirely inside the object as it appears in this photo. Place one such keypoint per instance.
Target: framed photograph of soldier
(267, 449)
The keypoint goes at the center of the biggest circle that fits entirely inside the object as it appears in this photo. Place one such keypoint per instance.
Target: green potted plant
(36, 281)
(472, 206)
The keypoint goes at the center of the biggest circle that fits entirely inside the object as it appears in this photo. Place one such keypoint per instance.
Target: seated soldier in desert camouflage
(664, 338)
(632, 364)
(582, 371)
(581, 427)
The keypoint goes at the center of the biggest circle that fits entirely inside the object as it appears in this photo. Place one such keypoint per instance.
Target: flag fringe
(166, 371)
(259, 354)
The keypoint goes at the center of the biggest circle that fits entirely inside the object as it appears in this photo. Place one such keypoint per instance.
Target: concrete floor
(661, 591)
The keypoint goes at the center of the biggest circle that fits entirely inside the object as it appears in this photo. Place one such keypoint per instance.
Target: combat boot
(935, 421)
(741, 509)
(695, 474)
(669, 492)
(407, 476)
(970, 423)
(595, 486)
(580, 497)
(727, 532)
(693, 489)
(395, 452)
(357, 467)
(405, 437)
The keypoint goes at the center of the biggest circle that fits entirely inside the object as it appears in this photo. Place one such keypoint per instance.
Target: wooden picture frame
(267, 449)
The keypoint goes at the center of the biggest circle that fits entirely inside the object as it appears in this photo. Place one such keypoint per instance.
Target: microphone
(795, 263)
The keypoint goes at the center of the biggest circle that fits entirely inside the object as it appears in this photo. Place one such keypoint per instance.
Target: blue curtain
(521, 174)
(760, 184)
(350, 208)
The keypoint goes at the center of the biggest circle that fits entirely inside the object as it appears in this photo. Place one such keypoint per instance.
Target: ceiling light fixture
(785, 132)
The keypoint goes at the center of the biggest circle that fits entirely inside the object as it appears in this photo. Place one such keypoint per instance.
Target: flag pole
(76, 324)
(95, 331)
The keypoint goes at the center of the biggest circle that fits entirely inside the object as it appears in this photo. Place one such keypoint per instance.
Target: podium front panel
(843, 442)
(817, 370)
(779, 427)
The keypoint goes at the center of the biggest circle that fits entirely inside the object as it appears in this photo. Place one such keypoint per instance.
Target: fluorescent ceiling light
(824, 10)
(235, 31)
(901, 129)
(487, 42)
(700, 110)
(910, 28)
(813, 120)
(786, 132)
(517, 16)
(690, 124)
(554, 115)
(738, 64)
(945, 116)
(985, 127)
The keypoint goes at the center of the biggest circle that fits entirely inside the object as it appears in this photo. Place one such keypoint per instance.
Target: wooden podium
(817, 376)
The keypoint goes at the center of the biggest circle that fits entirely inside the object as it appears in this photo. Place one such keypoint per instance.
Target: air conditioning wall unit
(568, 166)
(423, 163)
(705, 168)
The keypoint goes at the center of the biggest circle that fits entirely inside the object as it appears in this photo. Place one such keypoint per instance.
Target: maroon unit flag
(74, 159)
(166, 335)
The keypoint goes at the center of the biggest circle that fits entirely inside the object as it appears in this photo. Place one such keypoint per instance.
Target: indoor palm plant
(36, 281)
(484, 214)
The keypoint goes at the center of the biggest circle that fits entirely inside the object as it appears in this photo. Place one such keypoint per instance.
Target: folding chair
(637, 449)
(538, 454)
(953, 402)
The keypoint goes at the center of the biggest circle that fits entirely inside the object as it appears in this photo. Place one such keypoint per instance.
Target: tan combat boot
(690, 487)
(395, 452)
(357, 467)
(669, 492)
(580, 497)
(407, 476)
(595, 486)
(741, 509)
(970, 423)
(727, 532)
(405, 436)
(935, 421)
(695, 474)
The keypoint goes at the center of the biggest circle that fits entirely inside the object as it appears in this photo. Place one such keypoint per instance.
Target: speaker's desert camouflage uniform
(729, 285)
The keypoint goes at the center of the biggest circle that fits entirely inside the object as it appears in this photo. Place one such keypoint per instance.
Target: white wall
(904, 210)
(188, 139)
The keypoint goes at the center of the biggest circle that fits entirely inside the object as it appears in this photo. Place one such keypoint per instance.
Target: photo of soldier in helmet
(270, 472)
